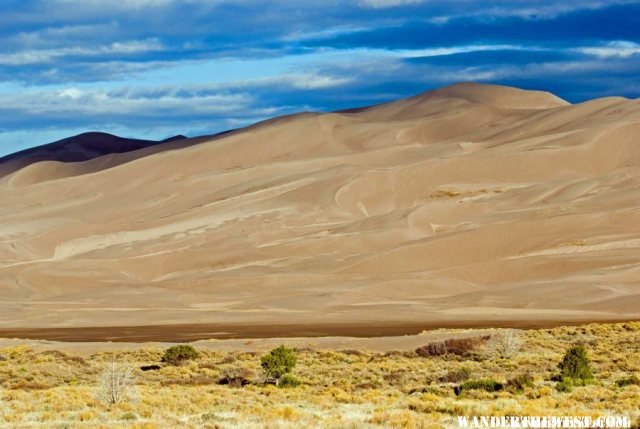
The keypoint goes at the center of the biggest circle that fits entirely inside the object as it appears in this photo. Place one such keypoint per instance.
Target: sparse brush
(116, 383)
(503, 344)
(395, 377)
(228, 359)
(454, 346)
(196, 380)
(629, 381)
(236, 377)
(456, 376)
(519, 383)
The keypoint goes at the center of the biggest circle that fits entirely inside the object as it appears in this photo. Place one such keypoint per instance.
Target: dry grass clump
(345, 389)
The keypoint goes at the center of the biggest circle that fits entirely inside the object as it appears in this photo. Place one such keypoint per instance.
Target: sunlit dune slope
(470, 202)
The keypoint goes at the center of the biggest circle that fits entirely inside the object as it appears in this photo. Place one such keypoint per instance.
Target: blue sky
(156, 68)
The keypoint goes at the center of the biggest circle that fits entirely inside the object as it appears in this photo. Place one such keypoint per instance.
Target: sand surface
(467, 204)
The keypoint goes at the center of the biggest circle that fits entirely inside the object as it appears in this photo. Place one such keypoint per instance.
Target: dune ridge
(469, 202)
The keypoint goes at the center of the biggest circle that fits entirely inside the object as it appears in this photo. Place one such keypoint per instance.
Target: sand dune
(470, 202)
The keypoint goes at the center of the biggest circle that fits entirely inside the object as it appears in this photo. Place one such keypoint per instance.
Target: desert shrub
(520, 382)
(277, 363)
(208, 365)
(289, 380)
(564, 385)
(432, 349)
(462, 374)
(503, 344)
(128, 416)
(455, 346)
(463, 346)
(486, 384)
(575, 365)
(116, 383)
(176, 355)
(629, 381)
(228, 359)
(236, 377)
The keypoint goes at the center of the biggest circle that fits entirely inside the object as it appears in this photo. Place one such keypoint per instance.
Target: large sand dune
(468, 203)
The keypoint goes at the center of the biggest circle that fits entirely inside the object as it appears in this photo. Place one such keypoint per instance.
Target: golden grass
(350, 389)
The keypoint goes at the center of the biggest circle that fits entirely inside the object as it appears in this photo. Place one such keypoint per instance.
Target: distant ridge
(79, 148)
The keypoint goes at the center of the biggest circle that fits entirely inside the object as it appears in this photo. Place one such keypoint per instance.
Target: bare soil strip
(195, 332)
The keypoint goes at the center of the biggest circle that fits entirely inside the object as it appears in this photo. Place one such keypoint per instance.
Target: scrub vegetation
(582, 370)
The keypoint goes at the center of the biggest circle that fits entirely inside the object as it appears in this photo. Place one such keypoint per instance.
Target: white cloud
(72, 93)
(40, 56)
(314, 81)
(383, 4)
(622, 49)
(97, 102)
(120, 4)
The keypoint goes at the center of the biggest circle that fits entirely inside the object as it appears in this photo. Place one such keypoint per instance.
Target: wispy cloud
(383, 4)
(622, 49)
(40, 56)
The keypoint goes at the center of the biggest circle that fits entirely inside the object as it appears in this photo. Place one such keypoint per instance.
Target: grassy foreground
(339, 389)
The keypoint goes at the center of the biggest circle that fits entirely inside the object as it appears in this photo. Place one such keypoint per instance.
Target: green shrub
(487, 384)
(520, 382)
(289, 380)
(277, 363)
(564, 385)
(575, 365)
(629, 381)
(176, 355)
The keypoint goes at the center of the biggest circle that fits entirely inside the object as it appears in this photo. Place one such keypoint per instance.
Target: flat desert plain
(464, 205)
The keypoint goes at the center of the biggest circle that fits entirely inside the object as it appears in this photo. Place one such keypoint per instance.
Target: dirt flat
(189, 333)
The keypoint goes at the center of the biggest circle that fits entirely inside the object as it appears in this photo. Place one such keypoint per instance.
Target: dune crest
(469, 202)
